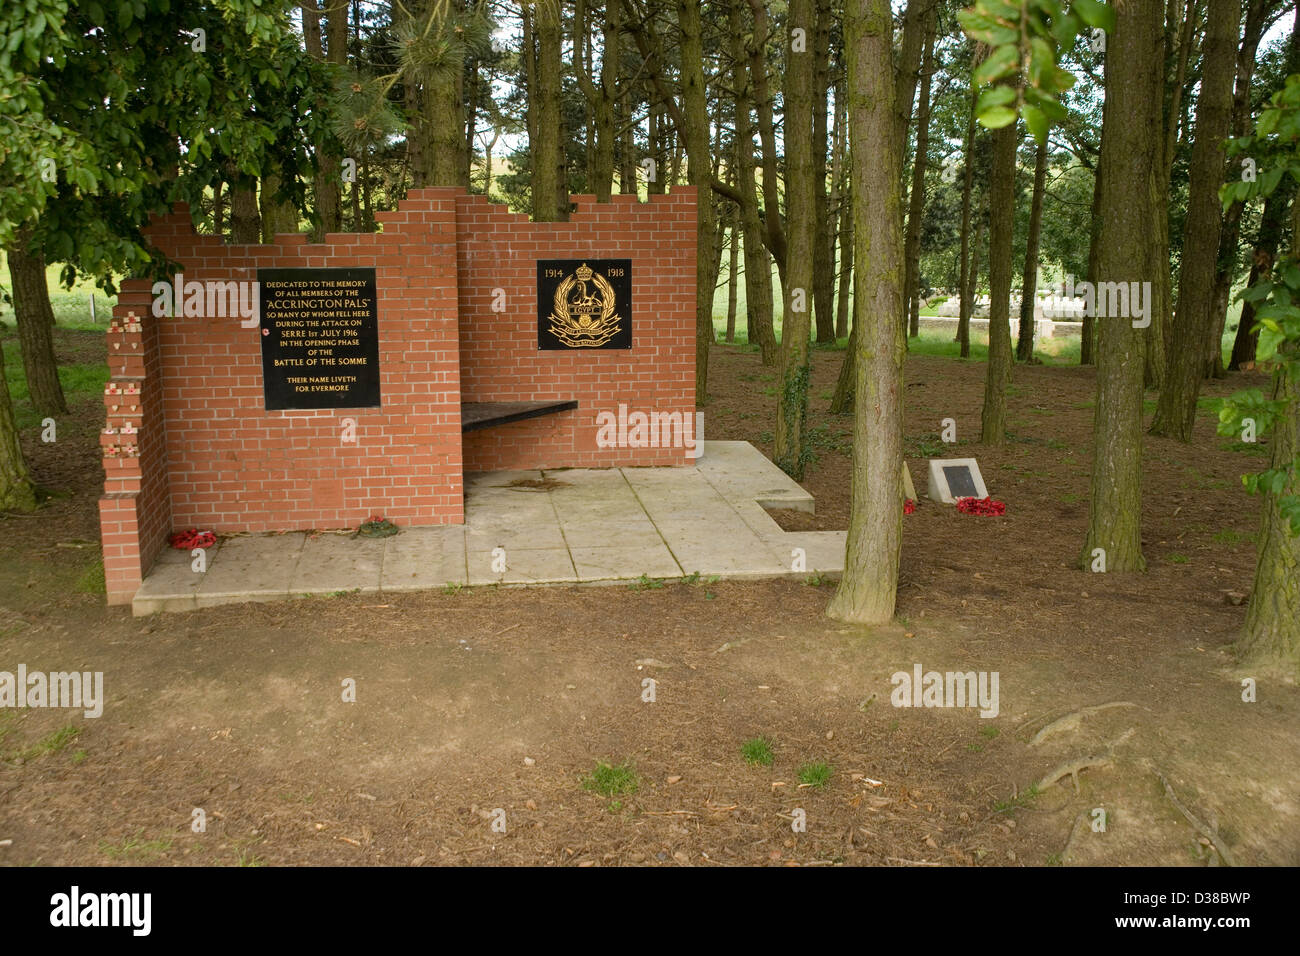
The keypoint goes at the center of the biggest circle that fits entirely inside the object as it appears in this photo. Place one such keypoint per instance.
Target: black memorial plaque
(961, 484)
(584, 304)
(320, 338)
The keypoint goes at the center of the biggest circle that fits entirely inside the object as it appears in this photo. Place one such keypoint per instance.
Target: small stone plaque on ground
(953, 478)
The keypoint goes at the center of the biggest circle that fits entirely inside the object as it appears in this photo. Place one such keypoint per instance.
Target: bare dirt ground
(504, 700)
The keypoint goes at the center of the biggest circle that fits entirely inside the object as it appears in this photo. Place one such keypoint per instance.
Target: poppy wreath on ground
(193, 538)
(909, 506)
(981, 506)
(377, 528)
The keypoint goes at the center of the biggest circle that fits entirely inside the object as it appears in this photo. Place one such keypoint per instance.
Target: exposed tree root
(1209, 833)
(1073, 768)
(1071, 721)
(1081, 817)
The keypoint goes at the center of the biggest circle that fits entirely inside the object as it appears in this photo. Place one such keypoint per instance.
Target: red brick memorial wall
(194, 438)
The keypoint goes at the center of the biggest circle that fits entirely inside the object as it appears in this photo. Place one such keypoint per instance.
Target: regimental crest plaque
(584, 304)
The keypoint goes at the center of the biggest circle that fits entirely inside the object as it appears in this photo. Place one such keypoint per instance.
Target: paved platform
(567, 526)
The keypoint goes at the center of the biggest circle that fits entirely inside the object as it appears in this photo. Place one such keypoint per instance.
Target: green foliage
(1024, 40)
(610, 780)
(815, 775)
(758, 752)
(1274, 150)
(112, 112)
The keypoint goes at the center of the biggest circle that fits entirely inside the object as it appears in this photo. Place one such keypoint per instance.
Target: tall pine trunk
(1194, 321)
(868, 591)
(1129, 144)
(245, 217)
(1002, 214)
(972, 285)
(965, 279)
(836, 226)
(1271, 226)
(31, 296)
(758, 267)
(1272, 635)
(699, 173)
(550, 199)
(1029, 275)
(733, 275)
(789, 448)
(1088, 340)
(1230, 239)
(916, 202)
(17, 490)
(277, 217)
(823, 275)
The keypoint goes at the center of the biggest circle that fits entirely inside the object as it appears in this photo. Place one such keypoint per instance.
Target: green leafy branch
(1273, 149)
(1021, 70)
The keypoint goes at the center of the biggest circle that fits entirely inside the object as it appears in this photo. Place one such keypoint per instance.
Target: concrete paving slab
(628, 530)
(338, 562)
(251, 568)
(823, 550)
(170, 586)
(423, 559)
(589, 526)
(541, 566)
(740, 471)
(722, 545)
(625, 563)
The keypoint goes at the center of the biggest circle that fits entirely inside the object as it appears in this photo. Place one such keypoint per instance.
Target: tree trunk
(905, 76)
(1002, 214)
(600, 98)
(326, 184)
(789, 449)
(277, 216)
(446, 121)
(1176, 409)
(758, 267)
(368, 218)
(550, 199)
(774, 228)
(245, 219)
(846, 266)
(733, 277)
(655, 144)
(329, 191)
(699, 173)
(868, 589)
(1129, 145)
(1088, 342)
(17, 490)
(967, 187)
(35, 318)
(1029, 275)
(613, 28)
(834, 225)
(1180, 29)
(1230, 238)
(968, 292)
(1272, 635)
(916, 18)
(218, 210)
(1271, 226)
(916, 204)
(823, 277)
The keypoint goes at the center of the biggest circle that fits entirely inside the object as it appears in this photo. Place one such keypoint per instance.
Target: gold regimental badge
(583, 316)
